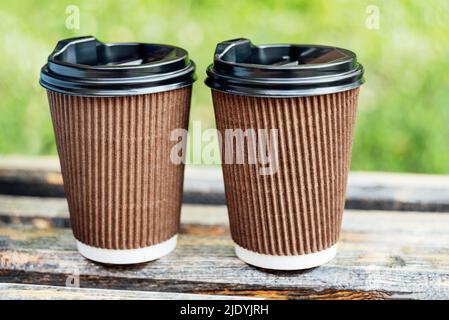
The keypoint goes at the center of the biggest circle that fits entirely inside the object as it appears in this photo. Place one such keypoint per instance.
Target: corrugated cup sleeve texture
(298, 210)
(122, 189)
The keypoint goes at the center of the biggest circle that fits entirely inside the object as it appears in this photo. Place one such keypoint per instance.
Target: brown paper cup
(290, 219)
(124, 193)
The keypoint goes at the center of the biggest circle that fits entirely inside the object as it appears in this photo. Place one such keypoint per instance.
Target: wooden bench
(394, 245)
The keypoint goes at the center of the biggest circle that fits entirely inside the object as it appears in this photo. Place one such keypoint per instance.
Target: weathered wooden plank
(381, 255)
(14, 291)
(373, 191)
(45, 212)
(398, 191)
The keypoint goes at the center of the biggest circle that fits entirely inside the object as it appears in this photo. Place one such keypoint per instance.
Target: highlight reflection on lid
(282, 69)
(88, 67)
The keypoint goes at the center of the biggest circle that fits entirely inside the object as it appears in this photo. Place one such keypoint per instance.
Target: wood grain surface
(381, 255)
(13, 291)
(40, 176)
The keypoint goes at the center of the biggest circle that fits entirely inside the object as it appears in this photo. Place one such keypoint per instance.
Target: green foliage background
(403, 120)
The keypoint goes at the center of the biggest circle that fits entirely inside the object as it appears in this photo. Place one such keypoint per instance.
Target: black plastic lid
(282, 70)
(87, 67)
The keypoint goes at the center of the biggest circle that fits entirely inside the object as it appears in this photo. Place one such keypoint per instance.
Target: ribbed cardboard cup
(114, 107)
(124, 193)
(291, 108)
(290, 219)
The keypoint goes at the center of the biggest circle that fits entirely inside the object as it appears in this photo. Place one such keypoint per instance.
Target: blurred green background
(403, 119)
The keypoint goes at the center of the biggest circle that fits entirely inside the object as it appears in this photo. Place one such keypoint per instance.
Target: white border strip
(299, 262)
(127, 256)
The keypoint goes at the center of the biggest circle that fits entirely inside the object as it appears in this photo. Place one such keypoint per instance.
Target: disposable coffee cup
(113, 107)
(299, 104)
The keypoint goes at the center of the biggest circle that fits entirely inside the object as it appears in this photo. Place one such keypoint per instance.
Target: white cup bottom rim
(297, 262)
(127, 256)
